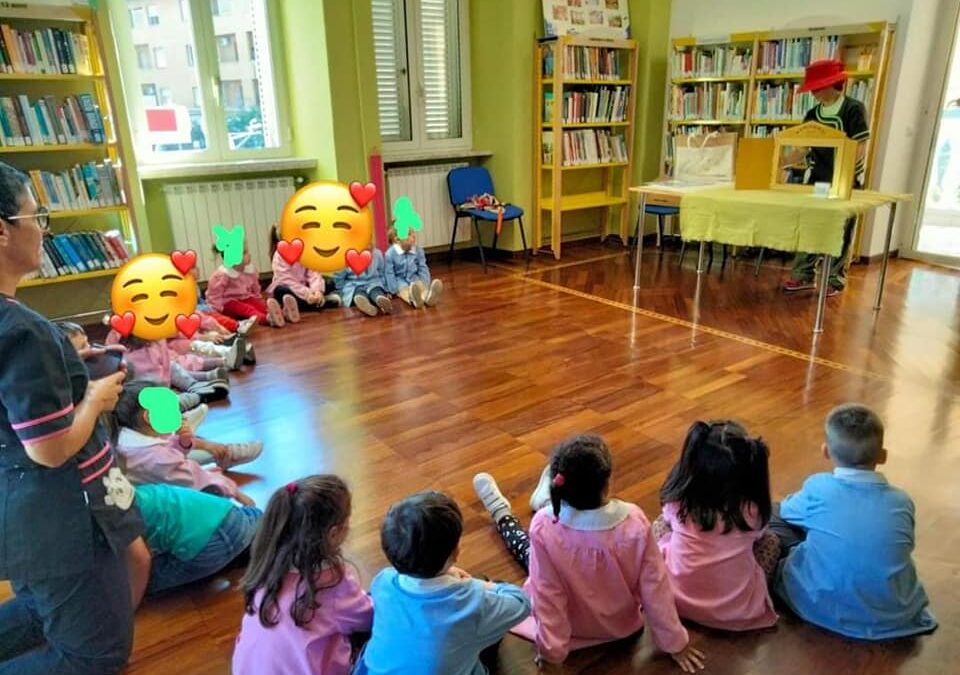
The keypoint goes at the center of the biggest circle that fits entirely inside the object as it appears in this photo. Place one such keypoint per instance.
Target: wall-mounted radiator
(426, 186)
(195, 208)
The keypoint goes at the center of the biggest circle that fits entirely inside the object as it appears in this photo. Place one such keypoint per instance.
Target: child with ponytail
(303, 601)
(713, 531)
(595, 573)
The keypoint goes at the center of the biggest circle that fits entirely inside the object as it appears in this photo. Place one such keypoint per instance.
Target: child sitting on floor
(295, 289)
(713, 535)
(432, 618)
(191, 534)
(235, 291)
(596, 574)
(406, 272)
(303, 601)
(365, 291)
(152, 457)
(851, 535)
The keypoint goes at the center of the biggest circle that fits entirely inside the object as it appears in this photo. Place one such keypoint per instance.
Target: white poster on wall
(589, 18)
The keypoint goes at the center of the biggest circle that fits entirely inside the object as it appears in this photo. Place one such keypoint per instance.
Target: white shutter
(440, 61)
(390, 58)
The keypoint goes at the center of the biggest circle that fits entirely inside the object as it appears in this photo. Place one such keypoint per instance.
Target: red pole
(379, 202)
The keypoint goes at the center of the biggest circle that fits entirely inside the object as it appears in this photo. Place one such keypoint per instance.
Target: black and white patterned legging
(516, 539)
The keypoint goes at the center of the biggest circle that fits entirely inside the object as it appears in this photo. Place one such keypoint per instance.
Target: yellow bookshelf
(59, 157)
(567, 65)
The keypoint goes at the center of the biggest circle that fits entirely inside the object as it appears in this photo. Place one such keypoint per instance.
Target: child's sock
(493, 500)
(541, 494)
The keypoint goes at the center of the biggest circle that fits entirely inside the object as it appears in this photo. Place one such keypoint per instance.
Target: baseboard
(871, 259)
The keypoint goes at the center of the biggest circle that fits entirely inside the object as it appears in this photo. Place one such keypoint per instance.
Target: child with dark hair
(851, 536)
(433, 618)
(407, 274)
(235, 291)
(303, 601)
(595, 573)
(295, 289)
(713, 531)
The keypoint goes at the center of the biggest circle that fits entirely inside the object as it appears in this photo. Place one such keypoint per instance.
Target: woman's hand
(103, 393)
(689, 659)
(314, 298)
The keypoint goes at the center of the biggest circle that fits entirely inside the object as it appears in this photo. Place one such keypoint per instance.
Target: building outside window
(227, 48)
(153, 16)
(144, 61)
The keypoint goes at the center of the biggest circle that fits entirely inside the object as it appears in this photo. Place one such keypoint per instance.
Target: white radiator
(426, 186)
(195, 208)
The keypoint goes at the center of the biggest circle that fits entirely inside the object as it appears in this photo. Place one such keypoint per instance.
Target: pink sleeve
(656, 598)
(283, 275)
(216, 289)
(165, 463)
(316, 282)
(549, 599)
(352, 606)
(254, 285)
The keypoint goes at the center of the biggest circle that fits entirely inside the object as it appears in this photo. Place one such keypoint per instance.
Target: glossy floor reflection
(520, 357)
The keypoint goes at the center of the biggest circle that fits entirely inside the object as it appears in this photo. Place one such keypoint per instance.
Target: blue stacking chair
(466, 182)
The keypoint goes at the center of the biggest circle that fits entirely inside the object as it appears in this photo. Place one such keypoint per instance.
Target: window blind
(440, 61)
(390, 59)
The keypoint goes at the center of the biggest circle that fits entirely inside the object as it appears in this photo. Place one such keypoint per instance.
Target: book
(93, 117)
(50, 108)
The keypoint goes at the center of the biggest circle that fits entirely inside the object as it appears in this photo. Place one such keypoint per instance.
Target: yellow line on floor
(560, 266)
(742, 339)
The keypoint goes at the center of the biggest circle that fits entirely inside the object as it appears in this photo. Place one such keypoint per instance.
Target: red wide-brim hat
(823, 74)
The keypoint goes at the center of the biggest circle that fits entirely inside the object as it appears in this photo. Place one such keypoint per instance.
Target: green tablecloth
(781, 220)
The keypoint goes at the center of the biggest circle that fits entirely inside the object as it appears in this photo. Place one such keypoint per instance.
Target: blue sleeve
(503, 607)
(379, 275)
(423, 272)
(797, 508)
(390, 273)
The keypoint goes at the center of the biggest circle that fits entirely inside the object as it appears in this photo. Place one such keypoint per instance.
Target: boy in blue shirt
(430, 617)
(852, 571)
(406, 272)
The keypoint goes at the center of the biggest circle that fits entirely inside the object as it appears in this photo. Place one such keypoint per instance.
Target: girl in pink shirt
(296, 287)
(303, 601)
(713, 536)
(235, 291)
(595, 572)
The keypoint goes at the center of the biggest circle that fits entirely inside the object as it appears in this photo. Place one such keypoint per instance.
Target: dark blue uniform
(63, 531)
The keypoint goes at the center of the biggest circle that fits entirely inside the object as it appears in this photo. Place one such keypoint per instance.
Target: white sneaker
(275, 314)
(433, 293)
(235, 354)
(241, 453)
(541, 494)
(193, 418)
(489, 493)
(245, 326)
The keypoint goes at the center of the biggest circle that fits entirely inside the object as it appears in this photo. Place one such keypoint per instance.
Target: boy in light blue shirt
(407, 274)
(852, 571)
(430, 617)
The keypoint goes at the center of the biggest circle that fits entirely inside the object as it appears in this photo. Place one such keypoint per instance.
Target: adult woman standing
(66, 511)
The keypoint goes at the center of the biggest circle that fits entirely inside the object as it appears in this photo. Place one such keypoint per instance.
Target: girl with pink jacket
(295, 289)
(595, 573)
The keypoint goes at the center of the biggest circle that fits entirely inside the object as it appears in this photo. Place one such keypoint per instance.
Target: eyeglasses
(42, 217)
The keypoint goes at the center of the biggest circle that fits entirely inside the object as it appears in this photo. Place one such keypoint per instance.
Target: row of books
(76, 120)
(44, 51)
(592, 63)
(712, 61)
(587, 146)
(720, 101)
(606, 104)
(862, 90)
(765, 130)
(79, 252)
(85, 186)
(792, 55)
(781, 102)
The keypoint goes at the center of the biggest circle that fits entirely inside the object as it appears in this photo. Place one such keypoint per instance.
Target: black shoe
(250, 358)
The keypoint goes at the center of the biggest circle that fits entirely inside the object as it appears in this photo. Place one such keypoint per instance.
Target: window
(153, 16)
(138, 17)
(420, 56)
(206, 104)
(227, 48)
(149, 93)
(143, 57)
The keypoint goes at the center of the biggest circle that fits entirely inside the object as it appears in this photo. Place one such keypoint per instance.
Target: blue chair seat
(509, 213)
(662, 210)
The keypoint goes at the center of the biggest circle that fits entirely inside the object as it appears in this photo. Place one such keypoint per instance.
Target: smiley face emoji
(155, 293)
(329, 218)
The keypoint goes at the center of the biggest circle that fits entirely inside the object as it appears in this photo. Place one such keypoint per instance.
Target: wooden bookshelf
(558, 176)
(61, 157)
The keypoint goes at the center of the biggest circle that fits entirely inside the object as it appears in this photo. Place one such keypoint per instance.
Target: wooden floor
(520, 357)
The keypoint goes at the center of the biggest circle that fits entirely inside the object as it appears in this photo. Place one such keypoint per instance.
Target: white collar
(424, 586)
(399, 249)
(233, 274)
(606, 517)
(859, 475)
(130, 438)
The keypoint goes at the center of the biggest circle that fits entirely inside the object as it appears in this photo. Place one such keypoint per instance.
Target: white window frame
(419, 143)
(206, 60)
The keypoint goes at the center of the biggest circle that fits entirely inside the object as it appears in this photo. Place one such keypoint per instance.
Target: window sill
(398, 158)
(164, 171)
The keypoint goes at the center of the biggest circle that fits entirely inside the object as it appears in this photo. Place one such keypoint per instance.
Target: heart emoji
(290, 250)
(362, 194)
(358, 261)
(184, 261)
(188, 325)
(123, 324)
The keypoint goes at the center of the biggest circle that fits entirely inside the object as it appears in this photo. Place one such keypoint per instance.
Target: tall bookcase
(584, 98)
(748, 82)
(34, 65)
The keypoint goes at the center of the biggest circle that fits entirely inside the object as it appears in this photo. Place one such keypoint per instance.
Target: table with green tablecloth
(783, 220)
